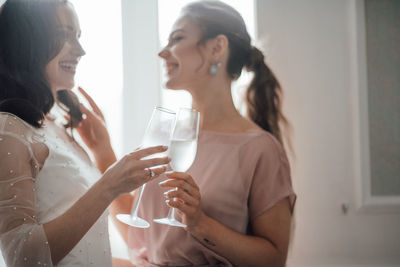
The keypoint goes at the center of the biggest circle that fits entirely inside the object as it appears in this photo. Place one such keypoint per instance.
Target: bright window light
(100, 74)
(168, 12)
(100, 70)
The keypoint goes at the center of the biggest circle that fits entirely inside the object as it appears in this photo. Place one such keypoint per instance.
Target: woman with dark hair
(53, 199)
(236, 199)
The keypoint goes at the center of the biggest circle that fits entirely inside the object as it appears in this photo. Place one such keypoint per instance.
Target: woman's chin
(66, 86)
(170, 84)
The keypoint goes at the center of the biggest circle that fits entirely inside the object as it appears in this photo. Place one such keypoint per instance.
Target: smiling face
(61, 69)
(187, 62)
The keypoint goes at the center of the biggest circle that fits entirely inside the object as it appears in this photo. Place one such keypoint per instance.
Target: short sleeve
(271, 180)
(22, 239)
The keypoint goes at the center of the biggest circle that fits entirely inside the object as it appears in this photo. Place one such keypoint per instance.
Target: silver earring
(214, 68)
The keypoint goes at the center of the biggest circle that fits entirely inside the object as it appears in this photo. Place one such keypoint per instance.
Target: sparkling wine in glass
(182, 150)
(158, 132)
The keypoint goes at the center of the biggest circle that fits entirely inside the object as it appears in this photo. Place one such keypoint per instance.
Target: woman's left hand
(92, 128)
(185, 197)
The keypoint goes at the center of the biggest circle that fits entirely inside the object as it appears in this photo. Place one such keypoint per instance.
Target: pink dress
(240, 176)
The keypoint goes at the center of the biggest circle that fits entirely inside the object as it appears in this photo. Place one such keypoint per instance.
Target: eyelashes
(175, 39)
(68, 36)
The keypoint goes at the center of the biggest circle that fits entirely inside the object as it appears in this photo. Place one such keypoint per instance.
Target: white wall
(310, 45)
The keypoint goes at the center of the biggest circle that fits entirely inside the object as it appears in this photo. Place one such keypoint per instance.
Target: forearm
(64, 232)
(104, 158)
(123, 205)
(239, 249)
(121, 263)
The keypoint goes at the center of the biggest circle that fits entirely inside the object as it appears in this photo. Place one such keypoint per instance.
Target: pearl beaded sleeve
(22, 239)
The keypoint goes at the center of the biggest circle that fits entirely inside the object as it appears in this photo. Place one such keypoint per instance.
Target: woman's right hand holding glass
(132, 171)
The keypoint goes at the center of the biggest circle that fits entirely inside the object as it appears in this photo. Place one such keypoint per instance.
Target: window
(377, 129)
(100, 70)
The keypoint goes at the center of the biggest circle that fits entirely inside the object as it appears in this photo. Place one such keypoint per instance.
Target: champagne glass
(158, 132)
(182, 150)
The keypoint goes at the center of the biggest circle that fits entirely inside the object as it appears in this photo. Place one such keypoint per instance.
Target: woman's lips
(69, 66)
(171, 67)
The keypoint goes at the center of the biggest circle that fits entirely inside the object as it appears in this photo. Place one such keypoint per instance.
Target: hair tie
(255, 58)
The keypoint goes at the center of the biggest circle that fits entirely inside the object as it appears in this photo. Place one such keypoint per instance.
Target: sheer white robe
(42, 173)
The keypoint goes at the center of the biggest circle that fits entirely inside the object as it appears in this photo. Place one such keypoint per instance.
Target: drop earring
(215, 67)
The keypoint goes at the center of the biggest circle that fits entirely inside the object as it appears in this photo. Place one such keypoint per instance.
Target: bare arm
(266, 247)
(94, 134)
(64, 232)
(122, 263)
(25, 241)
(76, 221)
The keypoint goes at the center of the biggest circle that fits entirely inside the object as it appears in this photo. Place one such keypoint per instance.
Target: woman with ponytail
(53, 199)
(236, 199)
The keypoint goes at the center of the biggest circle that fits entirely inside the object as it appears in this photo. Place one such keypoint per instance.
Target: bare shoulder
(250, 126)
(244, 125)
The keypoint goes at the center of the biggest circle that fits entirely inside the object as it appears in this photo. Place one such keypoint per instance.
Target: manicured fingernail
(165, 147)
(169, 172)
(162, 183)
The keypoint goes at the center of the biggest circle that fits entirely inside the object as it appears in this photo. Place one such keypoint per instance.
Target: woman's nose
(163, 53)
(78, 49)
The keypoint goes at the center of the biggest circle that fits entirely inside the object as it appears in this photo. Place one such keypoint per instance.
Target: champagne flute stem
(171, 214)
(136, 209)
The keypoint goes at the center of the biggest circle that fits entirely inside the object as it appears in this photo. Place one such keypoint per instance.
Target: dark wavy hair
(263, 95)
(29, 41)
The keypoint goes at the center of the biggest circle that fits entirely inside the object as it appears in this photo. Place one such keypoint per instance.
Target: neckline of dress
(255, 132)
